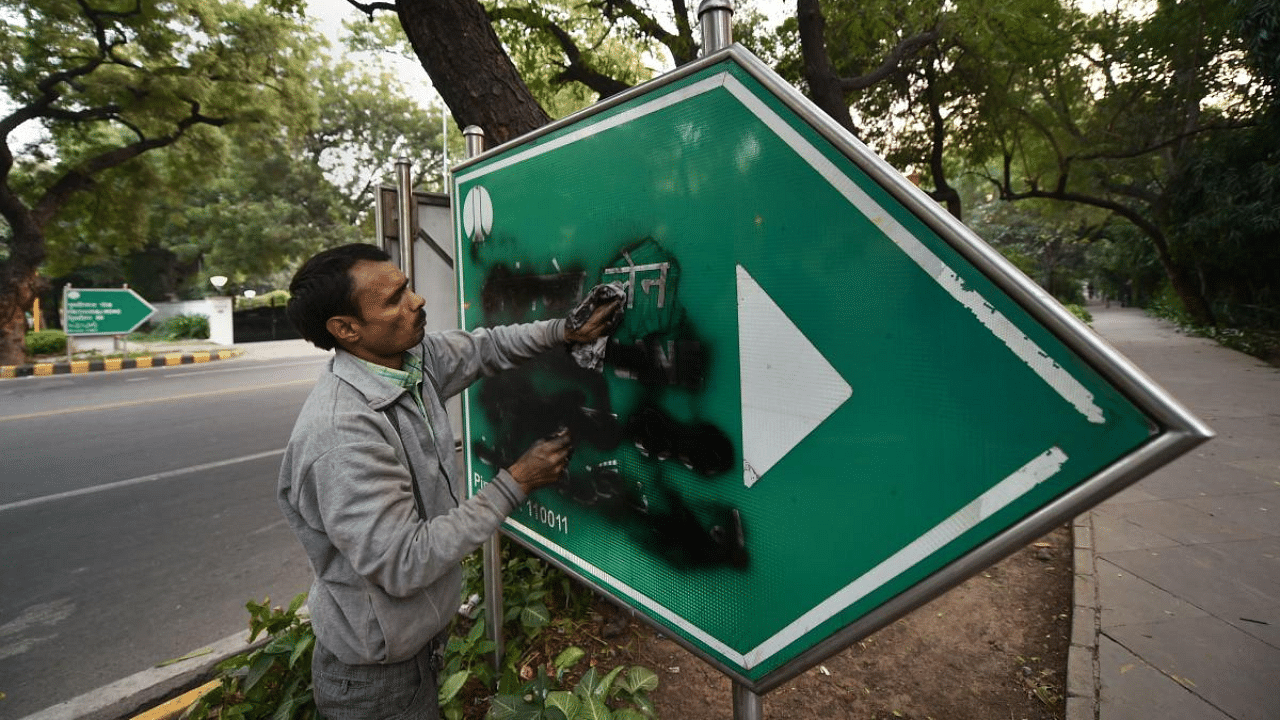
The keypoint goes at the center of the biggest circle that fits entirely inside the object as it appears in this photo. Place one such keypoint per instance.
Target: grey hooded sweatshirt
(388, 581)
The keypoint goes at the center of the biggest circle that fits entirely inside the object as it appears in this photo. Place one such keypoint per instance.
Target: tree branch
(82, 176)
(681, 46)
(370, 8)
(892, 62)
(577, 69)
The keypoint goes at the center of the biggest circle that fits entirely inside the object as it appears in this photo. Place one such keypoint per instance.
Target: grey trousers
(405, 690)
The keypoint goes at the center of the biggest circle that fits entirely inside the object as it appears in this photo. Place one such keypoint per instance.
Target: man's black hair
(322, 288)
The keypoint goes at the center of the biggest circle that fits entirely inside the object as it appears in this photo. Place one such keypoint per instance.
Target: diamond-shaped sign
(828, 401)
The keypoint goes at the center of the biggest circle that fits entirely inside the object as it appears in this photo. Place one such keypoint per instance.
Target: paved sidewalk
(1178, 576)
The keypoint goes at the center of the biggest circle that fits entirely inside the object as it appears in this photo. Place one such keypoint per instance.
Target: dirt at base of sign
(993, 647)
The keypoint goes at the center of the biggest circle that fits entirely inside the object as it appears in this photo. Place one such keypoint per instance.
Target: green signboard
(827, 402)
(114, 311)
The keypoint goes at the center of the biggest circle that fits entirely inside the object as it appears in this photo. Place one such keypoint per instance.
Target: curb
(155, 693)
(1082, 656)
(76, 367)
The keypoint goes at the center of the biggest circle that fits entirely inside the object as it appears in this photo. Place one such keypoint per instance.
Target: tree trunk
(19, 286)
(824, 83)
(19, 283)
(942, 190)
(468, 66)
(1193, 300)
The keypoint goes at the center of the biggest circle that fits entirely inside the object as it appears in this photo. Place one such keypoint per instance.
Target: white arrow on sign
(788, 387)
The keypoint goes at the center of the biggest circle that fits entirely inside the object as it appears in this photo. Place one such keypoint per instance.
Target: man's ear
(344, 328)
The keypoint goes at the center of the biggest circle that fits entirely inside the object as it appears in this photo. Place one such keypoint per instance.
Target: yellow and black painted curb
(75, 367)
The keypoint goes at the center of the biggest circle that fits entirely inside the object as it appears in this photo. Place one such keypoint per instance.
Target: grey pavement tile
(1229, 580)
(1112, 532)
(1258, 511)
(1130, 689)
(1267, 468)
(1130, 600)
(1186, 525)
(1229, 669)
(1263, 624)
(1245, 438)
(1135, 493)
(1191, 477)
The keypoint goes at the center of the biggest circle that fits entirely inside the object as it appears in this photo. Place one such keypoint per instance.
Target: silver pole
(379, 237)
(493, 546)
(404, 196)
(746, 704)
(717, 31)
(65, 325)
(444, 144)
(715, 17)
(475, 140)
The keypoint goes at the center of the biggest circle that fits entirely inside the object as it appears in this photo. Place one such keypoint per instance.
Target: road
(138, 515)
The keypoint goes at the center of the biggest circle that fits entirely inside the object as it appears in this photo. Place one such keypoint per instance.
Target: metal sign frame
(1176, 431)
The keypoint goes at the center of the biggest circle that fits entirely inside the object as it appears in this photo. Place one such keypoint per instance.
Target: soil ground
(992, 648)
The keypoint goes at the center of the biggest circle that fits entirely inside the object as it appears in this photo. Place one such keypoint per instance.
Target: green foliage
(1049, 243)
(1225, 219)
(1081, 312)
(181, 327)
(619, 694)
(1260, 342)
(275, 298)
(116, 110)
(272, 681)
(536, 597)
(46, 342)
(612, 47)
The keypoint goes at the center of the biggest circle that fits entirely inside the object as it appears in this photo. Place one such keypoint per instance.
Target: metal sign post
(406, 209)
(492, 550)
(814, 355)
(715, 17)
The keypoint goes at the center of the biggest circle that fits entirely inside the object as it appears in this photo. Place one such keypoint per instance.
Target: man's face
(391, 317)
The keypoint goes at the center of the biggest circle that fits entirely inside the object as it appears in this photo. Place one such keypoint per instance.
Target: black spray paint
(655, 347)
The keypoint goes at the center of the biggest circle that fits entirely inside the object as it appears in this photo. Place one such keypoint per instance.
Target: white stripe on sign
(1041, 468)
(1022, 346)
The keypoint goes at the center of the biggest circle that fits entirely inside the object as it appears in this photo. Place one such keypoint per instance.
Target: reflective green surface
(963, 415)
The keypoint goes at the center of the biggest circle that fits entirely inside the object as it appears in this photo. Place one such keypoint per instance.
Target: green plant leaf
(452, 685)
(645, 705)
(285, 710)
(565, 702)
(535, 615)
(297, 603)
(257, 671)
(629, 714)
(640, 679)
(587, 685)
(302, 648)
(605, 688)
(508, 707)
(569, 657)
(594, 709)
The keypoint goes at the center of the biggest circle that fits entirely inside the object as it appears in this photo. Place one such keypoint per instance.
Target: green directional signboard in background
(827, 402)
(112, 311)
